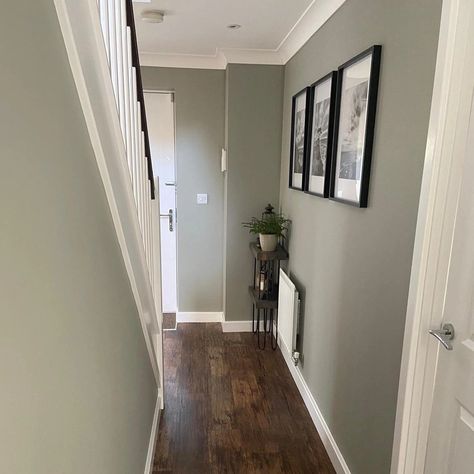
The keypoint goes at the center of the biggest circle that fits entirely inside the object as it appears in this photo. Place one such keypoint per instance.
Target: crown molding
(190, 61)
(312, 19)
(253, 56)
(315, 16)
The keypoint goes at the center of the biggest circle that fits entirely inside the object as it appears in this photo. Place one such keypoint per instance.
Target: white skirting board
(236, 326)
(153, 436)
(326, 437)
(188, 317)
(239, 326)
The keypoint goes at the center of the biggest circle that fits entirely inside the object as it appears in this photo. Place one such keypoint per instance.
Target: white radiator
(288, 315)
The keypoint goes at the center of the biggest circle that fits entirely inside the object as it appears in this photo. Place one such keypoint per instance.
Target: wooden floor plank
(169, 321)
(231, 408)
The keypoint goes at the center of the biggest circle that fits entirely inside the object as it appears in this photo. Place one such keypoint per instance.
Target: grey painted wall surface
(354, 264)
(254, 110)
(77, 389)
(199, 112)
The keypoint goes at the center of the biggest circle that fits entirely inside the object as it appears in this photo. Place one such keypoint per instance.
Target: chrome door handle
(444, 335)
(170, 219)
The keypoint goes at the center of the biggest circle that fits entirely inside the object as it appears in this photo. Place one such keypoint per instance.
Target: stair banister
(101, 44)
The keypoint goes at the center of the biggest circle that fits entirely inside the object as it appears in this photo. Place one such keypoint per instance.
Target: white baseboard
(239, 326)
(236, 326)
(326, 437)
(153, 435)
(189, 317)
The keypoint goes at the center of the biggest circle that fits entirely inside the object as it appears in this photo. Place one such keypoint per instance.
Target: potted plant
(269, 228)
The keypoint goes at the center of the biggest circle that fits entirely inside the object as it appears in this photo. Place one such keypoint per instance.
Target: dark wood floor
(169, 320)
(230, 408)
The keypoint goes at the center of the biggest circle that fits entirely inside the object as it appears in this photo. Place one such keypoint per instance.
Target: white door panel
(451, 435)
(160, 115)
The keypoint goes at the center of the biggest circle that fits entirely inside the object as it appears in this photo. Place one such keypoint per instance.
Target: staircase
(101, 45)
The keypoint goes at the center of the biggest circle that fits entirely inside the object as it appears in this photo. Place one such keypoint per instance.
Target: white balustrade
(119, 44)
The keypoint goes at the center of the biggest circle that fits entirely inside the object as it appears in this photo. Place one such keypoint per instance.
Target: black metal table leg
(274, 333)
(260, 346)
(254, 327)
(267, 320)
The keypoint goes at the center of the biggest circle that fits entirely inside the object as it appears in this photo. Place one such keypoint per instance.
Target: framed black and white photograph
(299, 125)
(321, 125)
(356, 101)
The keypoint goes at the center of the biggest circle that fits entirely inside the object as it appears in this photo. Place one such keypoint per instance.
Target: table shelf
(264, 293)
(279, 254)
(270, 301)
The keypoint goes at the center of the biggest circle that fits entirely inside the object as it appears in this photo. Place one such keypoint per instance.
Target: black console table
(264, 293)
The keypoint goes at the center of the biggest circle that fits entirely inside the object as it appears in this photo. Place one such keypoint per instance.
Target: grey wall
(253, 142)
(77, 389)
(239, 108)
(354, 264)
(199, 141)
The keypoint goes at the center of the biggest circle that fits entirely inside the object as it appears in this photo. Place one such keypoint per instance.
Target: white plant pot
(268, 242)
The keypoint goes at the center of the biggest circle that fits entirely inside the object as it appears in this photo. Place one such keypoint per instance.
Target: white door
(161, 129)
(451, 432)
(434, 432)
(450, 447)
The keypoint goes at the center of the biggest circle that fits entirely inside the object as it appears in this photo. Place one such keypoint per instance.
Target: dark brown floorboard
(169, 320)
(231, 408)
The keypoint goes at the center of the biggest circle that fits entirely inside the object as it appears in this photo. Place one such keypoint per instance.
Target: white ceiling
(195, 34)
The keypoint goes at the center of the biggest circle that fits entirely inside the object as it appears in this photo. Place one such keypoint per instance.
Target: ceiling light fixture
(234, 26)
(152, 16)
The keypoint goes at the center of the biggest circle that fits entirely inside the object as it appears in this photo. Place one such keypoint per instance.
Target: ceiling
(194, 33)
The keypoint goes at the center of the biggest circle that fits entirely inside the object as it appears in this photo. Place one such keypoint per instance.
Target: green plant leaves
(269, 224)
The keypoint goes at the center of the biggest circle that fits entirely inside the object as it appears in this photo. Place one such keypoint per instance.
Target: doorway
(161, 124)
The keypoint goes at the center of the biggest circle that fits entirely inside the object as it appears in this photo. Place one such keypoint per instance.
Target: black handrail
(141, 99)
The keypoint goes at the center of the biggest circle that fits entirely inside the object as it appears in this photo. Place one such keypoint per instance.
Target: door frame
(172, 92)
(441, 183)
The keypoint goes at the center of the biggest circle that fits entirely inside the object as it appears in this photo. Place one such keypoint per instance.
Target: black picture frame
(350, 169)
(332, 76)
(304, 141)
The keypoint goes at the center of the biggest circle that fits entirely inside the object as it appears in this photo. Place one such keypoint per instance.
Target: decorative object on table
(270, 227)
(321, 124)
(266, 267)
(356, 101)
(264, 293)
(299, 142)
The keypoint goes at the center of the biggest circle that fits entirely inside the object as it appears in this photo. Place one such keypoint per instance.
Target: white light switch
(201, 199)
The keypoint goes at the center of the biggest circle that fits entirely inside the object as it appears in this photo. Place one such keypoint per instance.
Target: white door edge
(166, 307)
(430, 259)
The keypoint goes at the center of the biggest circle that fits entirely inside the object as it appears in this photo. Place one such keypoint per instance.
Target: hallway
(230, 408)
